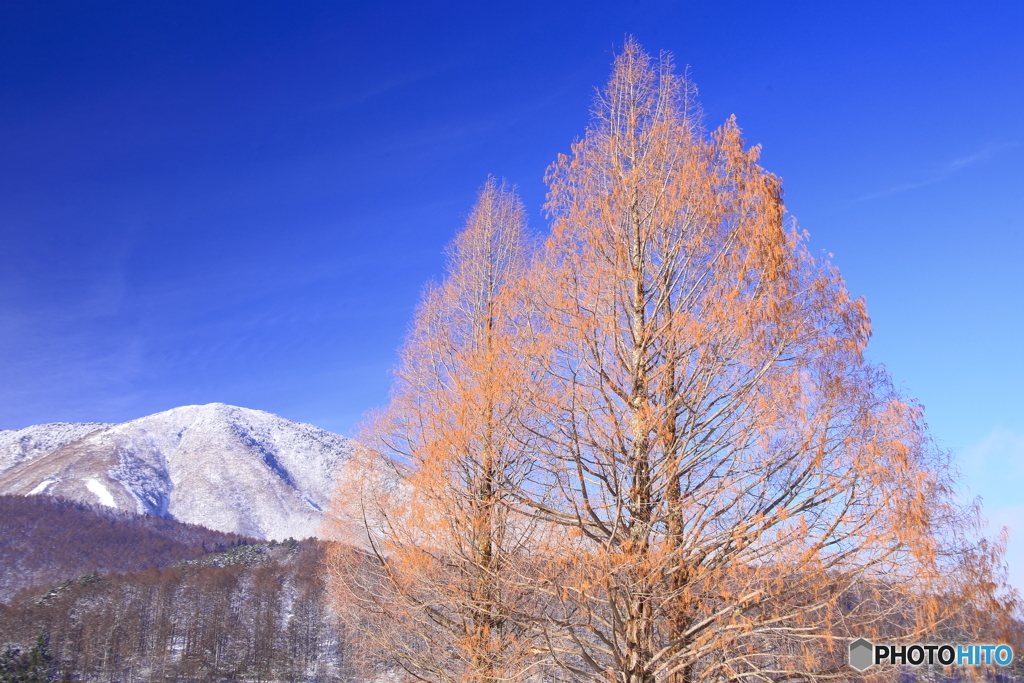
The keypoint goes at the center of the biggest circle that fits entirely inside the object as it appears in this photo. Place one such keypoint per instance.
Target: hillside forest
(124, 597)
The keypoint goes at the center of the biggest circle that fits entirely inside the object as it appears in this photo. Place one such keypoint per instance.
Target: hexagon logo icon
(861, 654)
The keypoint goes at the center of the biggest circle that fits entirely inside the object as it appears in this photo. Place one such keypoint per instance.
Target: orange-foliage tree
(653, 451)
(435, 590)
(746, 491)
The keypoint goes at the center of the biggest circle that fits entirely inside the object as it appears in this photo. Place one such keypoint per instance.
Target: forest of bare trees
(649, 447)
(45, 540)
(251, 613)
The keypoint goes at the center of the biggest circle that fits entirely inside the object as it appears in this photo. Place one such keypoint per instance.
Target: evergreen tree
(34, 666)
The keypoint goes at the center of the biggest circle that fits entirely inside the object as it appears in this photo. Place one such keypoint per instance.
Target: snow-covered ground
(101, 492)
(41, 487)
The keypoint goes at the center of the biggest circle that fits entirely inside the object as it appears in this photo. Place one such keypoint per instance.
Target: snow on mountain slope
(227, 468)
(18, 445)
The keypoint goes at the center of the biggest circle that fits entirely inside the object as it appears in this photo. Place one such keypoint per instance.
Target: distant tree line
(44, 539)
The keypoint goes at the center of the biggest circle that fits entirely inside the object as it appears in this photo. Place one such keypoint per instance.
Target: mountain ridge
(231, 469)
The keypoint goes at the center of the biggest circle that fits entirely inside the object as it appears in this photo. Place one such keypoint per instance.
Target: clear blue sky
(240, 202)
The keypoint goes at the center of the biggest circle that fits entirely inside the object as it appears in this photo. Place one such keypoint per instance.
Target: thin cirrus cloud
(946, 170)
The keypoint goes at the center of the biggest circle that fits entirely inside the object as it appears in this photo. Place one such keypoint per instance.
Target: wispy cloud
(945, 171)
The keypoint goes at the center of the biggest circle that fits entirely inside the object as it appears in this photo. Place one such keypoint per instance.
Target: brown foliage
(657, 453)
(440, 598)
(747, 489)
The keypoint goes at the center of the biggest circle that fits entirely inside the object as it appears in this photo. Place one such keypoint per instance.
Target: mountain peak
(225, 467)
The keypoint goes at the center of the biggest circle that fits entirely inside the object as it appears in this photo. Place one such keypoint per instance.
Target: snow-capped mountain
(226, 468)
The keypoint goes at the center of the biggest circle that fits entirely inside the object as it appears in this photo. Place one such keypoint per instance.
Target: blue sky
(241, 202)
